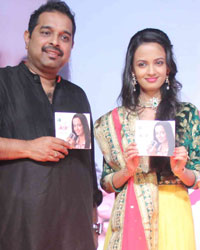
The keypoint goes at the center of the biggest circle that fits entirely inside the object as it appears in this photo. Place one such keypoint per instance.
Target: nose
(151, 70)
(54, 40)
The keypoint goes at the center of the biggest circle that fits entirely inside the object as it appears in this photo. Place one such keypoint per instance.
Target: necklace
(151, 103)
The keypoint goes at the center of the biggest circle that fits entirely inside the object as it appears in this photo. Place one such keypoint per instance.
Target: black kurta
(43, 206)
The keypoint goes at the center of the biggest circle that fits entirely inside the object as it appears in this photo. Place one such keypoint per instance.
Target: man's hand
(47, 149)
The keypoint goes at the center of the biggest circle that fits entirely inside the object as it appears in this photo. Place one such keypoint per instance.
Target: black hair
(169, 134)
(169, 104)
(129, 98)
(52, 6)
(86, 128)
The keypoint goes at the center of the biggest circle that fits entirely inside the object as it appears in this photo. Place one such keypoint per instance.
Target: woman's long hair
(169, 104)
(86, 128)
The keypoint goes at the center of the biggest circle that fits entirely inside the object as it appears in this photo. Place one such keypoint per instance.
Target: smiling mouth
(52, 54)
(152, 79)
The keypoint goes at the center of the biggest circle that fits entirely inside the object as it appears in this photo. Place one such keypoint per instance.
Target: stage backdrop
(104, 29)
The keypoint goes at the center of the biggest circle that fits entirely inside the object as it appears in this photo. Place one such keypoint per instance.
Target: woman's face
(149, 67)
(78, 127)
(160, 134)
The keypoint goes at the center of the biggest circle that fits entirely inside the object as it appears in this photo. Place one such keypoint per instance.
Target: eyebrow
(143, 60)
(162, 58)
(50, 28)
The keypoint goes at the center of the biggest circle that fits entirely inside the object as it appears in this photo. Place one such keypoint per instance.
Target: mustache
(46, 48)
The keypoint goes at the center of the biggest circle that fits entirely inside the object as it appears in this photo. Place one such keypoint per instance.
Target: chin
(52, 63)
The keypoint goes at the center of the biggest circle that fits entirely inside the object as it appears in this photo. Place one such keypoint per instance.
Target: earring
(167, 82)
(134, 82)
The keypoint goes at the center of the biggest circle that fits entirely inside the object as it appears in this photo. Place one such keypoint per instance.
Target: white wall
(104, 29)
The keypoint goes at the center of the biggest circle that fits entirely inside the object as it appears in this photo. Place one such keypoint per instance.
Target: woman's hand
(132, 159)
(179, 160)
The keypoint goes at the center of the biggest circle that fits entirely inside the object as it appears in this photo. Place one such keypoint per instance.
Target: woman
(163, 144)
(81, 130)
(146, 187)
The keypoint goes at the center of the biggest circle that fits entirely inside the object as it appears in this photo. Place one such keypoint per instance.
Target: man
(46, 189)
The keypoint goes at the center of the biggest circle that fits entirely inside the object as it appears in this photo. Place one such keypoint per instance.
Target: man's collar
(36, 77)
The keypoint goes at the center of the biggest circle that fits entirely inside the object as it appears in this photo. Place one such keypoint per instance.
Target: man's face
(50, 44)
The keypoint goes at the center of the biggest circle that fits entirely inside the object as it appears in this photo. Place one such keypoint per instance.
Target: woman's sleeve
(194, 143)
(107, 179)
(101, 132)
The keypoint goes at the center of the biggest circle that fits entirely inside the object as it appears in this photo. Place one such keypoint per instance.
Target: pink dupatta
(133, 230)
